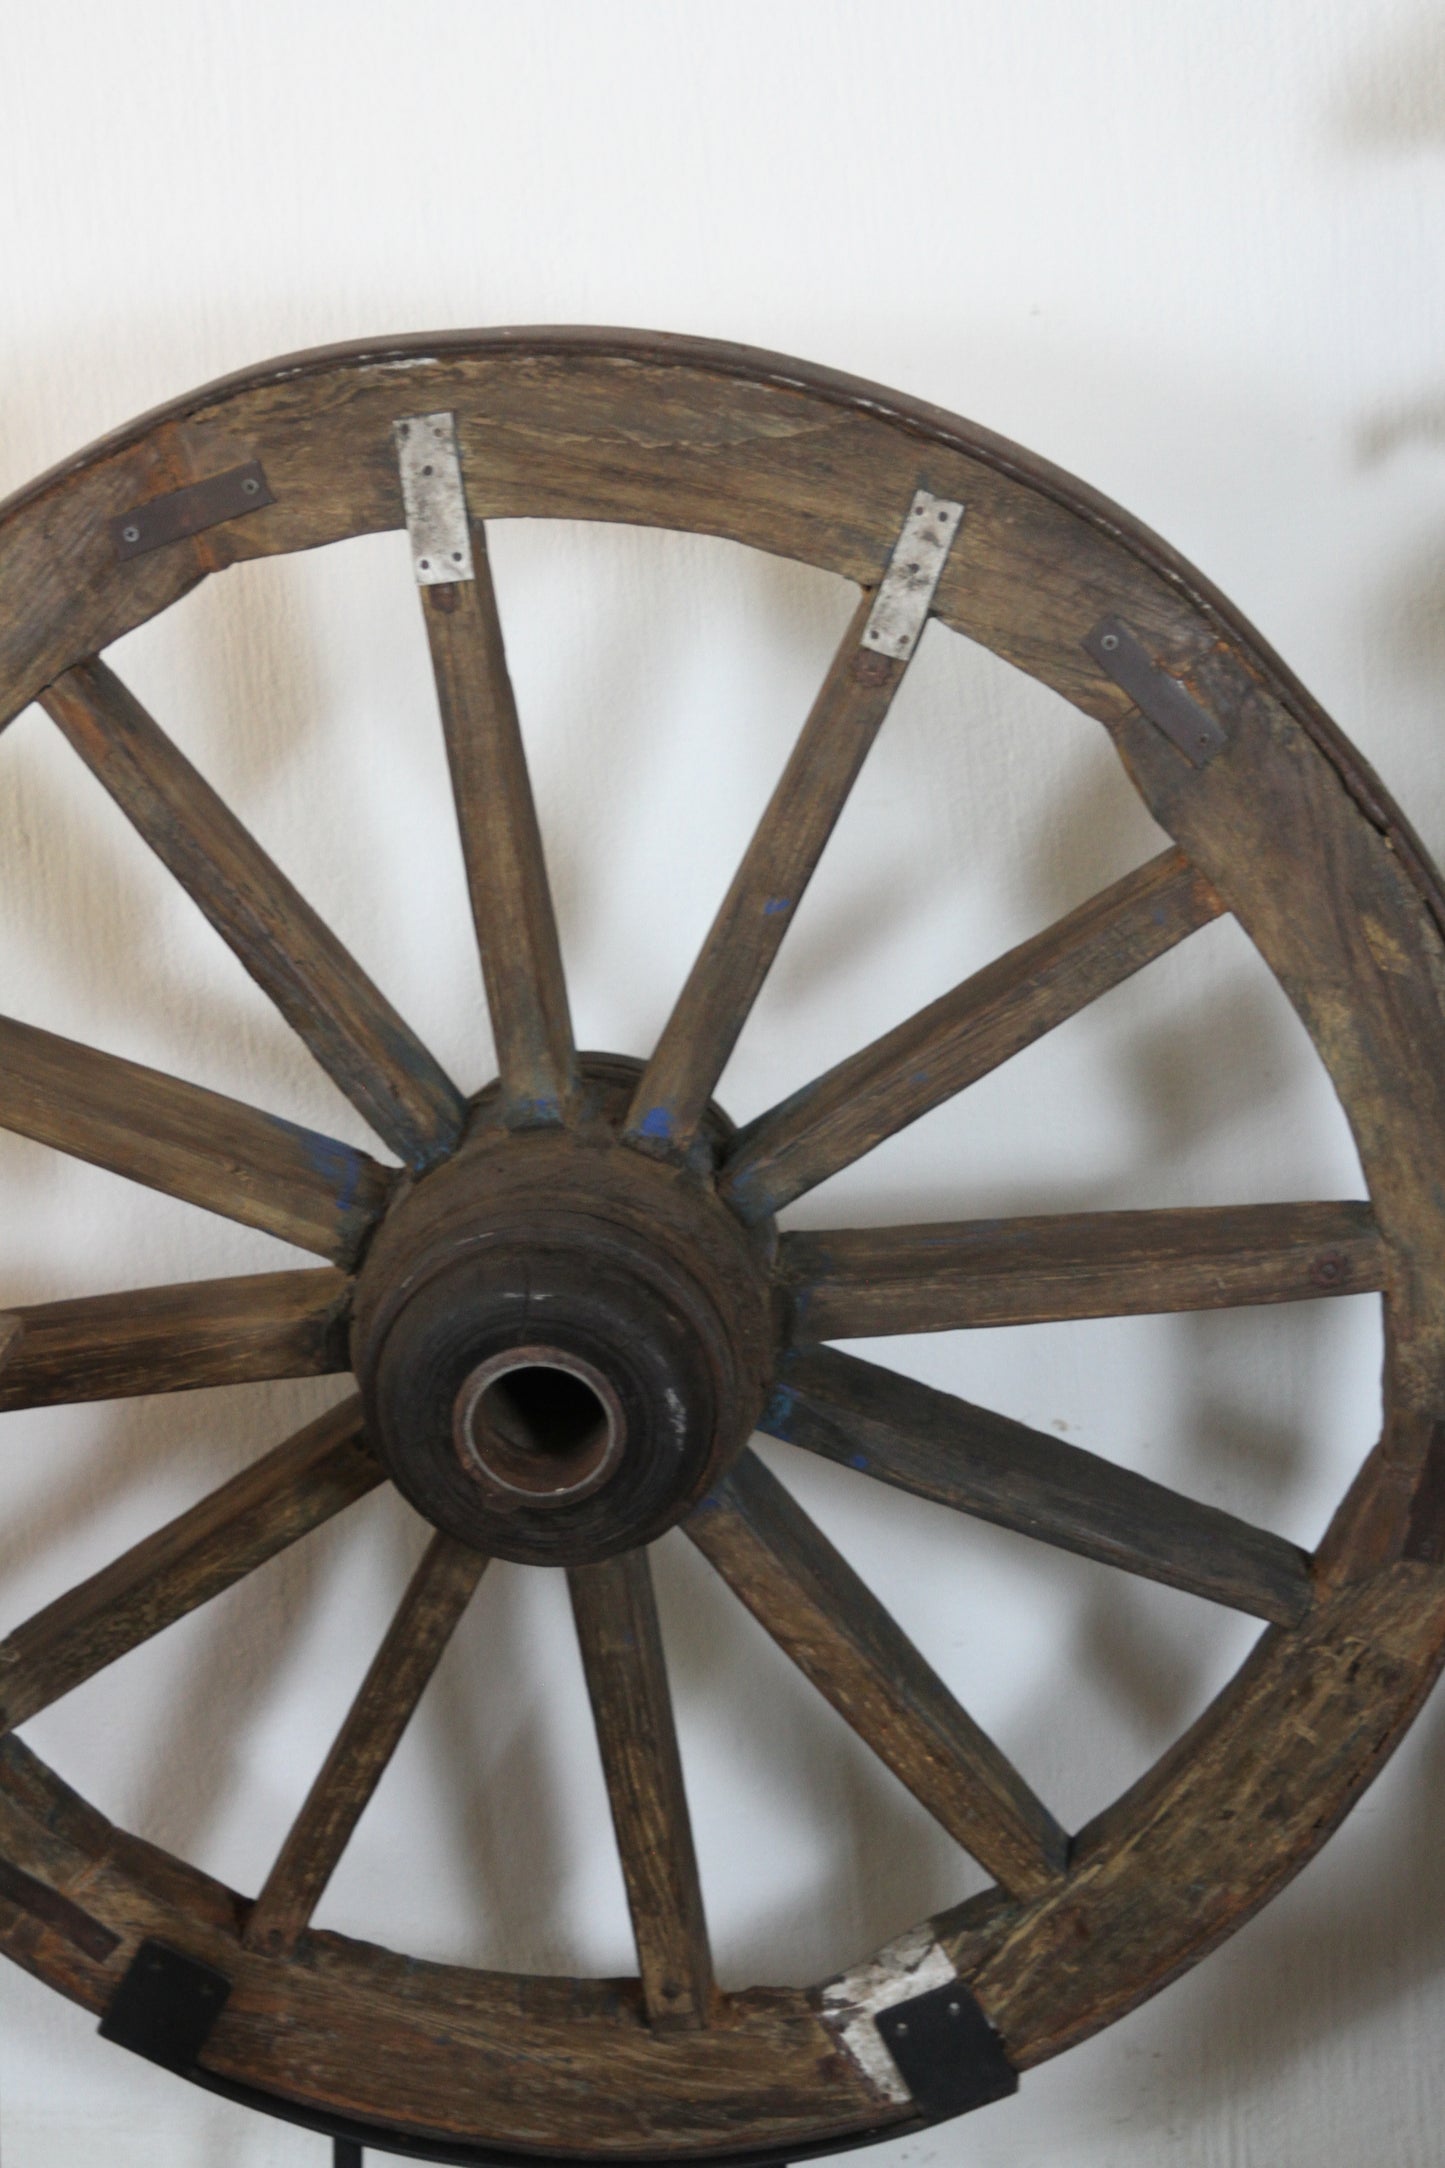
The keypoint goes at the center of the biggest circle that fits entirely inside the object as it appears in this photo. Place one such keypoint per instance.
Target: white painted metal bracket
(905, 596)
(435, 498)
(853, 2002)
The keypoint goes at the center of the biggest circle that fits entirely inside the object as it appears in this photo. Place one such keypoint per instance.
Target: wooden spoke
(988, 1465)
(961, 1037)
(430, 1613)
(767, 888)
(621, 1644)
(191, 1143)
(815, 1607)
(169, 1339)
(265, 1509)
(502, 847)
(858, 1281)
(350, 1027)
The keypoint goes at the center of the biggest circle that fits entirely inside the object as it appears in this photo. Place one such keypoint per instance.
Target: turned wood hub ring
(562, 1342)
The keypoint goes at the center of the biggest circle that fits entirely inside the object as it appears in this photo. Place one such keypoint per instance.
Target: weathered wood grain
(262, 1511)
(416, 1641)
(852, 1282)
(195, 1144)
(765, 894)
(1294, 833)
(963, 1035)
(1331, 1701)
(806, 1595)
(172, 1339)
(939, 1447)
(356, 1035)
(502, 847)
(622, 1656)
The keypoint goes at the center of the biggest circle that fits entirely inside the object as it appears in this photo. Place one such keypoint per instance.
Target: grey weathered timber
(621, 1643)
(308, 1189)
(512, 911)
(173, 1339)
(804, 1593)
(327, 999)
(978, 1462)
(765, 893)
(850, 1282)
(430, 1612)
(311, 1478)
(963, 1035)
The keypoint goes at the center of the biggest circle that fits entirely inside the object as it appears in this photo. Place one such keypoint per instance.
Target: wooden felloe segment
(229, 1534)
(502, 847)
(857, 1281)
(326, 998)
(308, 1189)
(170, 1339)
(430, 1613)
(617, 1629)
(988, 1465)
(818, 1611)
(961, 1037)
(767, 888)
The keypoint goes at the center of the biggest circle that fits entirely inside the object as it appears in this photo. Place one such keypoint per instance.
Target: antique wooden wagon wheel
(568, 1305)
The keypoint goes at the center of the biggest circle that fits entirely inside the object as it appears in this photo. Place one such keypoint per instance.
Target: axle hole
(544, 1412)
(540, 1425)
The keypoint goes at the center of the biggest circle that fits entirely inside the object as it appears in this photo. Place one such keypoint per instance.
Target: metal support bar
(165, 2006)
(435, 497)
(183, 512)
(905, 595)
(1188, 727)
(948, 2054)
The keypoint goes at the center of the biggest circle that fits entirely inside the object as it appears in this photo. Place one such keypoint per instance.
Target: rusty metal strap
(183, 512)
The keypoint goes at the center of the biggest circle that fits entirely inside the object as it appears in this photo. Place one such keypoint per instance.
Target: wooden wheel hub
(561, 1343)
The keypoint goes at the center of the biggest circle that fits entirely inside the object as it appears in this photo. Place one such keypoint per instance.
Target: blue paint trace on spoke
(779, 1412)
(860, 1460)
(775, 904)
(656, 1122)
(535, 1113)
(336, 1164)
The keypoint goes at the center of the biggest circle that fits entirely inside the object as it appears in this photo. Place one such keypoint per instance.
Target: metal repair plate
(165, 2006)
(1191, 728)
(435, 498)
(188, 511)
(950, 2056)
(905, 597)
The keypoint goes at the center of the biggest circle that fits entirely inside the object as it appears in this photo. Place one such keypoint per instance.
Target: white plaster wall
(1193, 254)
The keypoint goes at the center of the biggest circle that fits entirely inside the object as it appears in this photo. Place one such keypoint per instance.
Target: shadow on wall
(1352, 1942)
(1393, 105)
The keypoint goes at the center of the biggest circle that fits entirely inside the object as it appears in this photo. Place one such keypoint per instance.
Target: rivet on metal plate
(1194, 732)
(183, 512)
(435, 498)
(905, 594)
(950, 2057)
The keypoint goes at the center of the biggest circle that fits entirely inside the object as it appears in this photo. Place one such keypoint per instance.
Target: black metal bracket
(182, 512)
(165, 2007)
(1191, 729)
(948, 2054)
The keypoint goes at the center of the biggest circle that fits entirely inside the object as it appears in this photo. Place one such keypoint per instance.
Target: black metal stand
(346, 2154)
